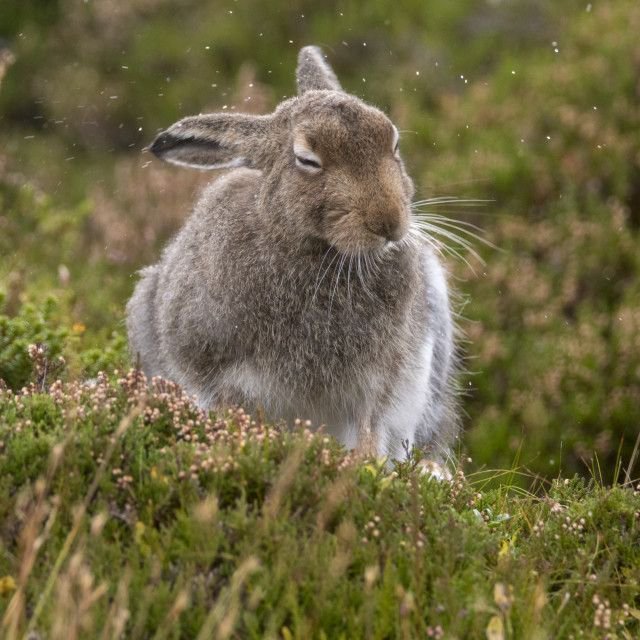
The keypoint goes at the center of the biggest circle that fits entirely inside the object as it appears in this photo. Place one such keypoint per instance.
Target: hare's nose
(393, 230)
(390, 228)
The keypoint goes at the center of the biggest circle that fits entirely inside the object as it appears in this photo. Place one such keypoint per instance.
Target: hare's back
(224, 213)
(198, 276)
(228, 201)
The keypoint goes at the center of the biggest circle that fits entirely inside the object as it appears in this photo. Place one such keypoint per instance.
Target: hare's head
(331, 166)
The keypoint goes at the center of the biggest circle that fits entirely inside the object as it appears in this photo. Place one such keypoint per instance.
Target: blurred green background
(531, 104)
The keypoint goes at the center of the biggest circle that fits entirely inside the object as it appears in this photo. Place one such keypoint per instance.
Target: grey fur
(313, 72)
(303, 289)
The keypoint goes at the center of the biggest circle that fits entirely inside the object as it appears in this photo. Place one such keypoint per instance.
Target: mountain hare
(301, 283)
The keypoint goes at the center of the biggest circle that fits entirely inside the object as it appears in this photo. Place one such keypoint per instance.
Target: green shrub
(221, 525)
(31, 326)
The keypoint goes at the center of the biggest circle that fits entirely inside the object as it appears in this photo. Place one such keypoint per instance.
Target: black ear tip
(163, 142)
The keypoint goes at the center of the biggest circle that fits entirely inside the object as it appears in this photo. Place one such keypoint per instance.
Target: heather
(151, 518)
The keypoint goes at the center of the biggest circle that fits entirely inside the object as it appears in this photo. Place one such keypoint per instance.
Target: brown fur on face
(359, 200)
(362, 194)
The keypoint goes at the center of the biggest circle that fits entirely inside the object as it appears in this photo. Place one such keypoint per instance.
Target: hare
(301, 283)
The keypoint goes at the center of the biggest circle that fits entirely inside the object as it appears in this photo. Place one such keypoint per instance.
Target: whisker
(367, 266)
(375, 261)
(448, 185)
(324, 257)
(364, 277)
(418, 236)
(475, 202)
(358, 275)
(441, 247)
(455, 224)
(452, 237)
(349, 279)
(440, 216)
(318, 283)
(337, 281)
(449, 235)
(445, 227)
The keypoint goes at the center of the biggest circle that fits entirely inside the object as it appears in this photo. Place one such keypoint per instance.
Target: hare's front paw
(435, 470)
(367, 445)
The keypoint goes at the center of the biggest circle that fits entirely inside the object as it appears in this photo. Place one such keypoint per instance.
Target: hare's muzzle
(391, 226)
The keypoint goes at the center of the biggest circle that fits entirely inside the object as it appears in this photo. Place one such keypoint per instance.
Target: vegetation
(152, 519)
(126, 513)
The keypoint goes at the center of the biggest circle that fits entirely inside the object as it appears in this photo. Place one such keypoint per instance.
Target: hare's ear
(314, 72)
(217, 141)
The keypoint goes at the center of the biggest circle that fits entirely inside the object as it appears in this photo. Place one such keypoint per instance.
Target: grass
(127, 512)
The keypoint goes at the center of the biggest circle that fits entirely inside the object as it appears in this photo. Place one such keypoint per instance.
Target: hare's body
(251, 305)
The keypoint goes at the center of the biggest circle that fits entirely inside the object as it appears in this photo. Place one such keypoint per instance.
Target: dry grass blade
(125, 423)
(31, 541)
(335, 496)
(119, 610)
(222, 617)
(179, 605)
(283, 482)
(76, 596)
(632, 462)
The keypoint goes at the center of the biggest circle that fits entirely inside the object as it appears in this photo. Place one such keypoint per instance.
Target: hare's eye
(308, 162)
(396, 141)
